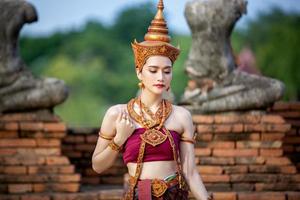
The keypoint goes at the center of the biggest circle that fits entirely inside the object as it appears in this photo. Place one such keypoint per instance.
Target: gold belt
(158, 186)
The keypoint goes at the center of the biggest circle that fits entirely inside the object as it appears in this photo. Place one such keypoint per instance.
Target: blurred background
(87, 44)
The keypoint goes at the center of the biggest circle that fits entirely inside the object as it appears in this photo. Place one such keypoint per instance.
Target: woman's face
(156, 74)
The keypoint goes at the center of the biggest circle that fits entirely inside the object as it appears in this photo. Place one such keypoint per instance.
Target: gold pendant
(159, 187)
(153, 137)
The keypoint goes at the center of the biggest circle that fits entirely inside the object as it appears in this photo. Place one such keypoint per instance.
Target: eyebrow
(165, 67)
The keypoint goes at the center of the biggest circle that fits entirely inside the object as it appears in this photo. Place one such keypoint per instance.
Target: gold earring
(141, 85)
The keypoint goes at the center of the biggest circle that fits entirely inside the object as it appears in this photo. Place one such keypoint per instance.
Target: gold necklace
(152, 135)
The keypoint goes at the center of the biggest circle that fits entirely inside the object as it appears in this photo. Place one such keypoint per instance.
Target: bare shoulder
(184, 117)
(181, 113)
(110, 117)
(114, 110)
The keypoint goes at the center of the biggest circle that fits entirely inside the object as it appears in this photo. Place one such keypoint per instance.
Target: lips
(159, 85)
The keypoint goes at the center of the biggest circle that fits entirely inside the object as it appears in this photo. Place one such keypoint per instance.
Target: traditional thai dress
(145, 146)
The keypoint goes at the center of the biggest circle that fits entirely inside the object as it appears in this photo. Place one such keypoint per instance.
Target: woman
(156, 137)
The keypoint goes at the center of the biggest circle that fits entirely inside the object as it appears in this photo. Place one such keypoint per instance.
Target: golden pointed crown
(157, 41)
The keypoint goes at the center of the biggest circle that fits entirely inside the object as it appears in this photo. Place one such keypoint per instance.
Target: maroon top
(160, 152)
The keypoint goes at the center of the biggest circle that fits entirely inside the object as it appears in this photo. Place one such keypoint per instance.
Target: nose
(160, 76)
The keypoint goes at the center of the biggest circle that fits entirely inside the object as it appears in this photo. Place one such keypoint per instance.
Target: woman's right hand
(124, 128)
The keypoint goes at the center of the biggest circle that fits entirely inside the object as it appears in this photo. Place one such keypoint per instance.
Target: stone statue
(211, 64)
(19, 90)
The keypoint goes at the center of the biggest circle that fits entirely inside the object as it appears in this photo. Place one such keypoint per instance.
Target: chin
(158, 91)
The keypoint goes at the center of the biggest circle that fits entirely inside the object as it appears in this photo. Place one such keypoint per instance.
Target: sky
(62, 15)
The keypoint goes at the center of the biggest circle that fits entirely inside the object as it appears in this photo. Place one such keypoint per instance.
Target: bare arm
(187, 157)
(116, 124)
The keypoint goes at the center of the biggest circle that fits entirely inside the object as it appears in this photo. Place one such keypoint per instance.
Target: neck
(150, 100)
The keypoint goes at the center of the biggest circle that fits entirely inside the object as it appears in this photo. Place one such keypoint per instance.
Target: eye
(167, 71)
(152, 71)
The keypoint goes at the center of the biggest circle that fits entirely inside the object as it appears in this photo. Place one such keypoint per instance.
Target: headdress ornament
(157, 41)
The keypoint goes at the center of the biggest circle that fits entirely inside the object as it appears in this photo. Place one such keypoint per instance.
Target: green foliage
(274, 38)
(96, 62)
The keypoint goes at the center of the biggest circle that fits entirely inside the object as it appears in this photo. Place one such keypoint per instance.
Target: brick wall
(79, 145)
(30, 155)
(290, 111)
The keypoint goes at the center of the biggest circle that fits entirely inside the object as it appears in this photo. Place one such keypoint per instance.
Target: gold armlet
(189, 140)
(105, 137)
(114, 146)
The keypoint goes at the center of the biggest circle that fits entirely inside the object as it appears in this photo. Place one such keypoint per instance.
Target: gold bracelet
(114, 146)
(189, 140)
(106, 137)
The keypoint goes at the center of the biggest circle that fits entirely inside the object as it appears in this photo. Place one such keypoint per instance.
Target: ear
(139, 74)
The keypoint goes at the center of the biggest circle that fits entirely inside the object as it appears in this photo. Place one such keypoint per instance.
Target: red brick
(63, 169)
(11, 126)
(262, 196)
(92, 139)
(203, 119)
(292, 140)
(74, 139)
(39, 187)
(205, 128)
(47, 151)
(235, 152)
(278, 128)
(8, 134)
(278, 161)
(235, 169)
(293, 195)
(237, 128)
(221, 145)
(55, 127)
(57, 160)
(271, 152)
(66, 187)
(254, 127)
(289, 114)
(73, 154)
(229, 118)
(17, 143)
(251, 118)
(272, 136)
(19, 188)
(23, 160)
(35, 197)
(18, 117)
(210, 169)
(222, 128)
(204, 137)
(48, 142)
(90, 180)
(267, 178)
(202, 151)
(272, 169)
(225, 196)
(6, 152)
(215, 178)
(85, 147)
(250, 160)
(277, 186)
(31, 126)
(272, 119)
(15, 170)
(280, 105)
(258, 144)
(58, 187)
(294, 123)
(216, 161)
